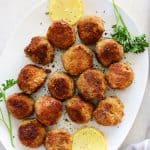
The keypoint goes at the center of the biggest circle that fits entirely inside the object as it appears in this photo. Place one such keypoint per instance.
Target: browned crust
(119, 76)
(31, 78)
(40, 50)
(77, 59)
(90, 29)
(78, 110)
(108, 51)
(58, 139)
(31, 133)
(61, 86)
(20, 105)
(109, 111)
(48, 110)
(61, 34)
(91, 84)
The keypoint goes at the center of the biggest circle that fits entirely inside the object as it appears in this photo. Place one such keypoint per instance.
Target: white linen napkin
(144, 145)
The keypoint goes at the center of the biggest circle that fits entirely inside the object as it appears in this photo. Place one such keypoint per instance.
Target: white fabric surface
(144, 145)
(12, 12)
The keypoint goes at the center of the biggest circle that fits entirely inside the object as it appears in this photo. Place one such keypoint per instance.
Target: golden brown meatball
(61, 86)
(61, 34)
(77, 59)
(108, 51)
(40, 50)
(58, 139)
(48, 110)
(20, 105)
(78, 110)
(109, 111)
(31, 133)
(90, 29)
(119, 76)
(31, 78)
(91, 84)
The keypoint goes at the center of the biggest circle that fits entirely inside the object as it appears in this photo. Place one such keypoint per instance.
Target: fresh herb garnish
(5, 86)
(131, 43)
(8, 84)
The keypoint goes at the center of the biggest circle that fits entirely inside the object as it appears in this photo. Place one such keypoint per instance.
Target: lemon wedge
(89, 138)
(68, 10)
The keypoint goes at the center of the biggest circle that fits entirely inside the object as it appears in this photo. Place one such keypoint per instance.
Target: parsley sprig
(7, 122)
(131, 43)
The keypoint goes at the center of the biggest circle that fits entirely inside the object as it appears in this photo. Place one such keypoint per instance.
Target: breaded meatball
(31, 133)
(40, 50)
(109, 111)
(91, 84)
(77, 59)
(61, 86)
(61, 34)
(79, 110)
(31, 78)
(90, 29)
(58, 139)
(20, 105)
(48, 110)
(119, 76)
(108, 51)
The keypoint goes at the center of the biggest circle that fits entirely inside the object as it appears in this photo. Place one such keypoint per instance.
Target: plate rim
(12, 34)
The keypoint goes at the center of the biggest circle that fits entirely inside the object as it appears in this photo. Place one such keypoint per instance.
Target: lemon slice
(89, 138)
(68, 10)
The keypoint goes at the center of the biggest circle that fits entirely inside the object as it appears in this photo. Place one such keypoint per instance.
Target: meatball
(61, 34)
(109, 111)
(119, 76)
(91, 84)
(58, 139)
(61, 86)
(40, 50)
(31, 78)
(20, 105)
(48, 110)
(78, 110)
(90, 29)
(108, 51)
(31, 133)
(77, 59)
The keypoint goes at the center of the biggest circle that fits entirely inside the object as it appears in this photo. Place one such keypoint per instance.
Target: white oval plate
(36, 23)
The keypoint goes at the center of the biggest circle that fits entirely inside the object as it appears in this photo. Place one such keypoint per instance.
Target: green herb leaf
(1, 94)
(121, 34)
(139, 43)
(8, 84)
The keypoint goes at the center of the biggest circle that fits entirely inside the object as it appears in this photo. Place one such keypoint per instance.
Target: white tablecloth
(12, 12)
